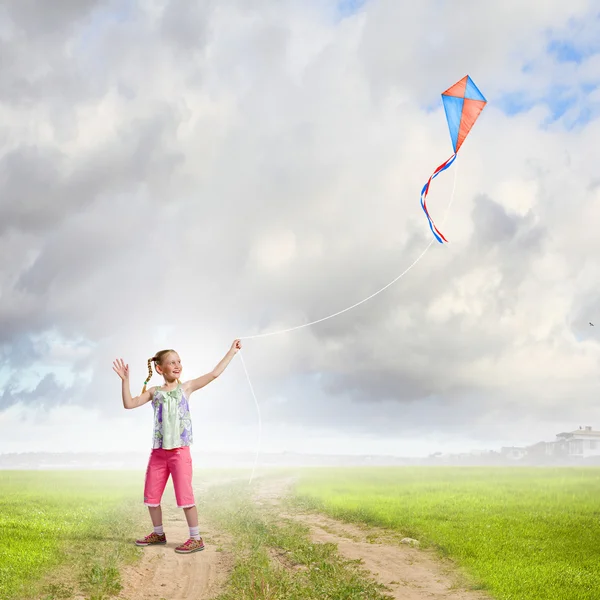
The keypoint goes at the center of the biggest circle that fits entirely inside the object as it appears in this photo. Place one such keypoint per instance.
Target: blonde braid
(150, 361)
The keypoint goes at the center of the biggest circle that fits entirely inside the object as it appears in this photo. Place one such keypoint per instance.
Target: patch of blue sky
(123, 10)
(433, 106)
(4, 376)
(514, 103)
(33, 352)
(347, 8)
(102, 19)
(573, 45)
(28, 379)
(562, 101)
(582, 117)
(45, 341)
(528, 67)
(558, 98)
(575, 50)
(564, 51)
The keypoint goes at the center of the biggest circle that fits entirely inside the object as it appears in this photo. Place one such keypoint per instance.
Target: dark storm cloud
(38, 18)
(43, 396)
(492, 223)
(32, 185)
(80, 226)
(495, 227)
(185, 24)
(40, 187)
(37, 66)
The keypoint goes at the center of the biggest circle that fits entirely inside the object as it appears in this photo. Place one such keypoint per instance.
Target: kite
(462, 103)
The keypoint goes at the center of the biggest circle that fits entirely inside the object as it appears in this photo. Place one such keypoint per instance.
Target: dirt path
(408, 573)
(164, 574)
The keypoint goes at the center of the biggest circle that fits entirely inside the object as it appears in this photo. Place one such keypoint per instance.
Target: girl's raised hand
(237, 345)
(121, 369)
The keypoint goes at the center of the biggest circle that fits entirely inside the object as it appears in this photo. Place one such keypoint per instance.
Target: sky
(179, 174)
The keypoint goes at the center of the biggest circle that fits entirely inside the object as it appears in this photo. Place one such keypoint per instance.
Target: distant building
(579, 444)
(513, 452)
(582, 443)
(541, 450)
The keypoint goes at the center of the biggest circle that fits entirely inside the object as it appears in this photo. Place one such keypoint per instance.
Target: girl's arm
(129, 402)
(122, 370)
(200, 382)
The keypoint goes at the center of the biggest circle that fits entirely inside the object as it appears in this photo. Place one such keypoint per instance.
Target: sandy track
(162, 573)
(408, 573)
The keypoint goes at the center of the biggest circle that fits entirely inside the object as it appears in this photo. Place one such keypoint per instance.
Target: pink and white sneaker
(152, 540)
(190, 546)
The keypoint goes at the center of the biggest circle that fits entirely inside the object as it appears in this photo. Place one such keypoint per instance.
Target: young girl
(172, 439)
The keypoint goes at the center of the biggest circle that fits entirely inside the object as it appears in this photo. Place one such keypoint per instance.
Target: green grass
(522, 533)
(69, 532)
(66, 531)
(275, 559)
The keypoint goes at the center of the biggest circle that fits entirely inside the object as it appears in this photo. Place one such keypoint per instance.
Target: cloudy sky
(178, 174)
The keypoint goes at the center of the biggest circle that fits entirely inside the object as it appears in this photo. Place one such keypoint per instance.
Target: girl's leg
(155, 515)
(157, 475)
(191, 516)
(156, 479)
(181, 472)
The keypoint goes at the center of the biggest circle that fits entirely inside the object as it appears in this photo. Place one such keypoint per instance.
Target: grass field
(81, 522)
(523, 534)
(69, 532)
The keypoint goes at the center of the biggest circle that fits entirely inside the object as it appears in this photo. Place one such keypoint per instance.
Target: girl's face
(170, 367)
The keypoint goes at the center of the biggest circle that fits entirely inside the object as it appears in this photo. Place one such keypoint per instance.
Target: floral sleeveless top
(172, 419)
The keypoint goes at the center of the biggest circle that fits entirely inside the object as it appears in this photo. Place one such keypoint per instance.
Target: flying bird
(592, 324)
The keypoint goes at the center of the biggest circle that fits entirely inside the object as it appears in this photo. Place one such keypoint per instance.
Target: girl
(172, 439)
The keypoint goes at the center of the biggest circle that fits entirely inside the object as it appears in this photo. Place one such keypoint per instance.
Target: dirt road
(164, 574)
(408, 573)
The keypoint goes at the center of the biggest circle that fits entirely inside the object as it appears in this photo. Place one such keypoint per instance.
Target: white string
(259, 417)
(260, 335)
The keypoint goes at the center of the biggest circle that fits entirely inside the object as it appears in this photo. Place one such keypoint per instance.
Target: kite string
(325, 319)
(260, 335)
(259, 416)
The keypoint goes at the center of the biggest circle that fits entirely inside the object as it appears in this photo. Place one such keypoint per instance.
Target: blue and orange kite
(462, 102)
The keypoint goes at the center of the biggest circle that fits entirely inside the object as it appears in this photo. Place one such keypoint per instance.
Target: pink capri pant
(178, 464)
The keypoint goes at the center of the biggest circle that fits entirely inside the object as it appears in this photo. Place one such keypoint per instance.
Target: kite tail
(436, 232)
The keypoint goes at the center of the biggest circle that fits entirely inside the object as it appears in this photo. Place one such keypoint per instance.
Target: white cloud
(178, 176)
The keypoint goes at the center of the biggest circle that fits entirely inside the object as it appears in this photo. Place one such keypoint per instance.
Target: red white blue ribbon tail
(436, 232)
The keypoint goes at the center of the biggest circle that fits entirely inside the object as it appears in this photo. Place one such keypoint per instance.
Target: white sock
(195, 533)
(159, 530)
